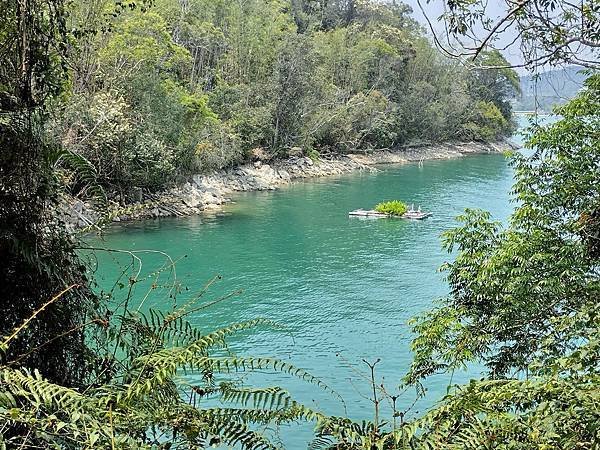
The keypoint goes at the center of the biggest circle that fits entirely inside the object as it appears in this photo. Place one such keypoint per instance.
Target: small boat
(415, 214)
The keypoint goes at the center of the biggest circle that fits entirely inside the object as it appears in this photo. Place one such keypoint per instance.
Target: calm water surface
(344, 288)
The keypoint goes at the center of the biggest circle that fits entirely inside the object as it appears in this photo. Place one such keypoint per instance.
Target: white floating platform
(414, 215)
(367, 213)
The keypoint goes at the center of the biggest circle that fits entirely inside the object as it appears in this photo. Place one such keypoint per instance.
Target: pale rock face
(191, 200)
(284, 175)
(209, 198)
(208, 192)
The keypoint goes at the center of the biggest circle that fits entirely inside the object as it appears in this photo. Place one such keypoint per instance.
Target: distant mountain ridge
(548, 89)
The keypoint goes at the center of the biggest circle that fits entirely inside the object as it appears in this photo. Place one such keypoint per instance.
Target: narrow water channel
(343, 287)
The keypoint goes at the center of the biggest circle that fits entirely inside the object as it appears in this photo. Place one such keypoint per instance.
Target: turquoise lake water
(344, 288)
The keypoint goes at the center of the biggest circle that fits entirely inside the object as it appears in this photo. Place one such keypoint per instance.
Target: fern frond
(295, 411)
(218, 337)
(7, 400)
(164, 364)
(37, 391)
(235, 433)
(324, 443)
(259, 398)
(84, 171)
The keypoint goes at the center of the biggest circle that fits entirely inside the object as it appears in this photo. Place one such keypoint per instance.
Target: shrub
(357, 123)
(218, 147)
(393, 207)
(313, 154)
(487, 123)
(149, 163)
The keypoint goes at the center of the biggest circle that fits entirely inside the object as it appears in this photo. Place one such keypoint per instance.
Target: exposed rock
(191, 200)
(208, 192)
(295, 151)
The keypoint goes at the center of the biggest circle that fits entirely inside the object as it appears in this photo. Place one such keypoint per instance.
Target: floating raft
(367, 213)
(414, 215)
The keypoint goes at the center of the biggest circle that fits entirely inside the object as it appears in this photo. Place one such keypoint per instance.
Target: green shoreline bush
(393, 207)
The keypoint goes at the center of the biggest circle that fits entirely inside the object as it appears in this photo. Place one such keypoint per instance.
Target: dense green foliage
(37, 255)
(393, 207)
(511, 288)
(525, 298)
(158, 383)
(191, 86)
(524, 302)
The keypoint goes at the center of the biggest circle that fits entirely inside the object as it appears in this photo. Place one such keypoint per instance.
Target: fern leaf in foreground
(146, 403)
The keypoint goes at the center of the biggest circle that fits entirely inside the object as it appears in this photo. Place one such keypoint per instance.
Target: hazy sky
(495, 8)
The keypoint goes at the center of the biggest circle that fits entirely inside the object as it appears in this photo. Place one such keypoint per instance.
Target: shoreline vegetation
(112, 99)
(232, 90)
(210, 192)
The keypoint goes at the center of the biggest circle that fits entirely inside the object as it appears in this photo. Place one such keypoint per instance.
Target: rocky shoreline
(210, 191)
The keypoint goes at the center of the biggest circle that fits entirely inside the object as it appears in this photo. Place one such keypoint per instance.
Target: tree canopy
(186, 87)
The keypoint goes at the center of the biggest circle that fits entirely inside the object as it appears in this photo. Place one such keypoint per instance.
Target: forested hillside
(185, 86)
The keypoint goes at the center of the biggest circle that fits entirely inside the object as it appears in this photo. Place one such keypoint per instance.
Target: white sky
(495, 8)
